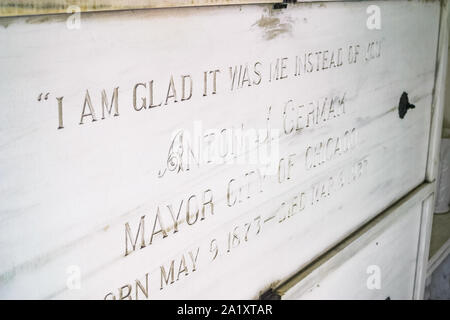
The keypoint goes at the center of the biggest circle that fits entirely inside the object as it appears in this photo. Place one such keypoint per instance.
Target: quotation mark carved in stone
(42, 95)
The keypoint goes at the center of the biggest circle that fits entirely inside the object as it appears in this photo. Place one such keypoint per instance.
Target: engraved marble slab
(204, 152)
(382, 261)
